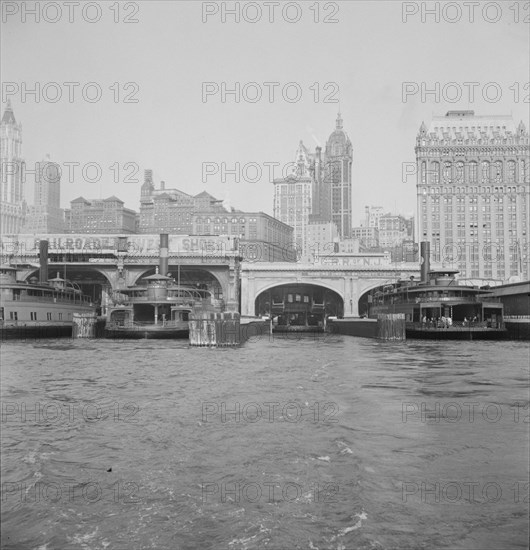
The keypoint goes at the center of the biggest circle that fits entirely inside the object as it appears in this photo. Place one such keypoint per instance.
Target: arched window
(447, 177)
(435, 173)
(473, 172)
(459, 176)
(485, 172)
(497, 171)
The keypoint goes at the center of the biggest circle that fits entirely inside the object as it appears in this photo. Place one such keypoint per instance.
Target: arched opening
(365, 301)
(299, 306)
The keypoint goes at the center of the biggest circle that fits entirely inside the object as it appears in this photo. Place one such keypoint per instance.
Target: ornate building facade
(339, 160)
(12, 203)
(473, 193)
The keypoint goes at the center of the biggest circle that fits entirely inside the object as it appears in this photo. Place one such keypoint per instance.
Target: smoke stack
(162, 185)
(425, 253)
(43, 260)
(163, 262)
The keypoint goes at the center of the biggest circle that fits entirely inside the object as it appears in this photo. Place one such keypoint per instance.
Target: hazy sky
(170, 52)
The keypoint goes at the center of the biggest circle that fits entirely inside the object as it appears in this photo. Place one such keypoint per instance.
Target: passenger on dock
(449, 322)
(465, 321)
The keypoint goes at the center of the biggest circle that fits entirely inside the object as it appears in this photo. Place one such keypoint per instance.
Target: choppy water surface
(336, 443)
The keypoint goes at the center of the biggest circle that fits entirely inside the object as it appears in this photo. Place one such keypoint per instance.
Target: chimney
(162, 185)
(425, 262)
(163, 262)
(43, 260)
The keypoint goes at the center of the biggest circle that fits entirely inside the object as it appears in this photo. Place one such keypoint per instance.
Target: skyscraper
(293, 199)
(46, 215)
(338, 173)
(473, 193)
(12, 204)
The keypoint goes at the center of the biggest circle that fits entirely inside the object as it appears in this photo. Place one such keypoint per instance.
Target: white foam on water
(323, 458)
(357, 525)
(344, 447)
(78, 538)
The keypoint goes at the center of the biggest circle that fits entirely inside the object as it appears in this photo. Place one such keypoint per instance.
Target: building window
(447, 178)
(485, 178)
(459, 172)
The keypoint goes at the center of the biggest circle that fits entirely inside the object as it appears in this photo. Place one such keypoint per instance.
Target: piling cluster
(214, 329)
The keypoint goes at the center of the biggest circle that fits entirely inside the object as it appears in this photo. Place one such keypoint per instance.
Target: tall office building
(46, 215)
(339, 159)
(12, 204)
(293, 199)
(473, 194)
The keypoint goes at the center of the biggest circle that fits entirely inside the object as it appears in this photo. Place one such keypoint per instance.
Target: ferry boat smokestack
(43, 260)
(425, 253)
(163, 262)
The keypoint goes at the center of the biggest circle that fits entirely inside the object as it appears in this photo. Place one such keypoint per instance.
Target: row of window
(456, 172)
(13, 316)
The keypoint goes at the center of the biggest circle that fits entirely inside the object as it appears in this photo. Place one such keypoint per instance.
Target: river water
(318, 442)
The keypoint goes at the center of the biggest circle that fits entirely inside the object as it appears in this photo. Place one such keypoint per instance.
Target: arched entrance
(299, 305)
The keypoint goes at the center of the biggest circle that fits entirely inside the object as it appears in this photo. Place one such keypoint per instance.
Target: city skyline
(175, 129)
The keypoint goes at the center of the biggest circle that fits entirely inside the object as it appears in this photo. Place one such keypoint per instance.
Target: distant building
(368, 237)
(12, 203)
(170, 210)
(293, 199)
(473, 192)
(46, 215)
(261, 237)
(372, 214)
(392, 230)
(319, 191)
(350, 246)
(323, 238)
(99, 216)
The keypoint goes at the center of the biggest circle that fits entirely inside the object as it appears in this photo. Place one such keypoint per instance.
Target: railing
(431, 299)
(143, 324)
(71, 299)
(456, 325)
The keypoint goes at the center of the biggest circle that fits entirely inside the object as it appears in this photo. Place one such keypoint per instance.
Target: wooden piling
(214, 329)
(84, 325)
(391, 326)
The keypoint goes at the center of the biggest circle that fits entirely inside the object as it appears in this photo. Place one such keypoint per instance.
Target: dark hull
(32, 331)
(285, 328)
(457, 334)
(140, 333)
(518, 330)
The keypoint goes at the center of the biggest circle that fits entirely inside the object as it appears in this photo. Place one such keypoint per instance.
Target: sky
(160, 77)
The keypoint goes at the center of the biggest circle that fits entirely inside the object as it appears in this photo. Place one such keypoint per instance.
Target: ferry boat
(39, 309)
(440, 308)
(158, 309)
